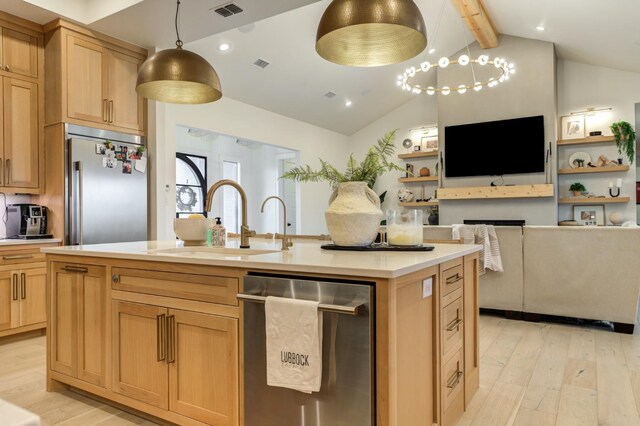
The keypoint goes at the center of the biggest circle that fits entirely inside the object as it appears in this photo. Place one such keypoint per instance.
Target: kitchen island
(158, 328)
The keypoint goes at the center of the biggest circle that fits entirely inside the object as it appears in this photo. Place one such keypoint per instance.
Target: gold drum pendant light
(178, 76)
(369, 33)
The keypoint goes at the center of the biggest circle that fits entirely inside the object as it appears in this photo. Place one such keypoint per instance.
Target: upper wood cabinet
(95, 81)
(20, 148)
(19, 53)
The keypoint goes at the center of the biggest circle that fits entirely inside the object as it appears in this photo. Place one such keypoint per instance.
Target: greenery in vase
(375, 163)
(577, 187)
(625, 138)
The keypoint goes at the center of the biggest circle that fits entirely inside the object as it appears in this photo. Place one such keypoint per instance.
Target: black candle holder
(617, 192)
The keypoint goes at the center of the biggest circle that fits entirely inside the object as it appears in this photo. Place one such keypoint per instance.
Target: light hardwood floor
(530, 374)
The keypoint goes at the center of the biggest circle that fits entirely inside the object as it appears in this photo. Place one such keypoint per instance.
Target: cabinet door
(138, 344)
(19, 53)
(33, 293)
(7, 296)
(203, 384)
(125, 105)
(21, 145)
(86, 81)
(91, 322)
(63, 332)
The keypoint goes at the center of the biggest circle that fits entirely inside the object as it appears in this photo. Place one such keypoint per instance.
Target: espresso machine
(27, 221)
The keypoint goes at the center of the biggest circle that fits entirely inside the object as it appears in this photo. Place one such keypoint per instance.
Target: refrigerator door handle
(75, 210)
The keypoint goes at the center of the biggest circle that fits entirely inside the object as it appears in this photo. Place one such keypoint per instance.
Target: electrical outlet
(427, 288)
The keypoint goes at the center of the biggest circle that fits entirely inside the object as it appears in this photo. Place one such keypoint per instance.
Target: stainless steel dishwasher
(347, 393)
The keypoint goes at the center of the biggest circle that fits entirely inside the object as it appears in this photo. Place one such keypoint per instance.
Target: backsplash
(11, 199)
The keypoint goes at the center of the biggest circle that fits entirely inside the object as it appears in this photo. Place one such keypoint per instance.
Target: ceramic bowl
(193, 231)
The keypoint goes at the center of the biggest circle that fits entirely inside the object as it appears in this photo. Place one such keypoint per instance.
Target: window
(191, 184)
(230, 197)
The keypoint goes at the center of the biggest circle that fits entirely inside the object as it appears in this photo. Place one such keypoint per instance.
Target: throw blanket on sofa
(485, 235)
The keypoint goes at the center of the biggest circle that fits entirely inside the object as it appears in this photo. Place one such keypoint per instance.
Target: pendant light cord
(178, 41)
(466, 43)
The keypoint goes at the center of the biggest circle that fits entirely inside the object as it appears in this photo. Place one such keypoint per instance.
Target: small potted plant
(625, 138)
(577, 188)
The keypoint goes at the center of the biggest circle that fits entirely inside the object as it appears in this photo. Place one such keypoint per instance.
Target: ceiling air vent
(228, 10)
(261, 63)
(330, 95)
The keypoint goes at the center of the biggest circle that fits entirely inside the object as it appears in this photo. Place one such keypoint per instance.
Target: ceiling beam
(475, 15)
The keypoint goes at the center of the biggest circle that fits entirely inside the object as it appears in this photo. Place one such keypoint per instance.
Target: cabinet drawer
(451, 279)
(22, 255)
(452, 327)
(204, 288)
(452, 380)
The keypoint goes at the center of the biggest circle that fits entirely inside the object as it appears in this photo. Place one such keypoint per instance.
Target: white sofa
(580, 272)
(583, 272)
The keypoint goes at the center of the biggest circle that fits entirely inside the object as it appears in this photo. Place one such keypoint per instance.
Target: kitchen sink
(210, 251)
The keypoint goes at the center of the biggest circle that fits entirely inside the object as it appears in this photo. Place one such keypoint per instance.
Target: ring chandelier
(505, 68)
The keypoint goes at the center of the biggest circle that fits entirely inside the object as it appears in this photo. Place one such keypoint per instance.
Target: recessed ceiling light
(540, 28)
(224, 47)
(348, 103)
(432, 50)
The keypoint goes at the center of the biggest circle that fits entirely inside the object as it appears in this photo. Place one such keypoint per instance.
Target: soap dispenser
(218, 234)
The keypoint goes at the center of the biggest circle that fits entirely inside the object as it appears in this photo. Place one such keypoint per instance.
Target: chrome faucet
(285, 242)
(245, 232)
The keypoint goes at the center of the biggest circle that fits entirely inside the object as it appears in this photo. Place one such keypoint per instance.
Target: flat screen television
(495, 147)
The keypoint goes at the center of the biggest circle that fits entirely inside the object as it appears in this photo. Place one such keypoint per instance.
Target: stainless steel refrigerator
(106, 186)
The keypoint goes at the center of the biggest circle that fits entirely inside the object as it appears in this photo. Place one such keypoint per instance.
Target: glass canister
(404, 227)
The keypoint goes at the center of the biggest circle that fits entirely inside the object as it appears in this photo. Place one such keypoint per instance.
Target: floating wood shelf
(593, 170)
(480, 192)
(583, 141)
(419, 204)
(419, 154)
(593, 200)
(419, 179)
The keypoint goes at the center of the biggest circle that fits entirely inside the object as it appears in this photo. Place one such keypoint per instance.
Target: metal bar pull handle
(161, 326)
(7, 168)
(23, 286)
(171, 340)
(105, 110)
(78, 167)
(454, 379)
(17, 256)
(111, 111)
(454, 279)
(353, 309)
(454, 324)
(1, 171)
(14, 293)
(80, 269)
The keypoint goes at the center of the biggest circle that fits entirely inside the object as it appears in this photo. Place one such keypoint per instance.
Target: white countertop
(304, 256)
(17, 242)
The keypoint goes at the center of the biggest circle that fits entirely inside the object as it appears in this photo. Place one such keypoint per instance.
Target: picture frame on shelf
(429, 143)
(572, 126)
(589, 215)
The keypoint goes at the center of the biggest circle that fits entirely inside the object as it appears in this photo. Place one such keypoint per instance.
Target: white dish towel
(485, 235)
(294, 344)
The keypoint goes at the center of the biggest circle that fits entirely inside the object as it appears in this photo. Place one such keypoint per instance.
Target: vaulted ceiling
(282, 32)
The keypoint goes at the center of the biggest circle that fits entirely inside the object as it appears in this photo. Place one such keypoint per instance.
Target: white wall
(244, 121)
(529, 92)
(581, 86)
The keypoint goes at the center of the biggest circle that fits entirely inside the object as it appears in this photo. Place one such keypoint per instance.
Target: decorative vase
(353, 216)
(616, 218)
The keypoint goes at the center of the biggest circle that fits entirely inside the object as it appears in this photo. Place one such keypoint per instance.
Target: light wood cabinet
(19, 53)
(23, 288)
(155, 361)
(22, 297)
(22, 107)
(78, 339)
(95, 83)
(20, 151)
